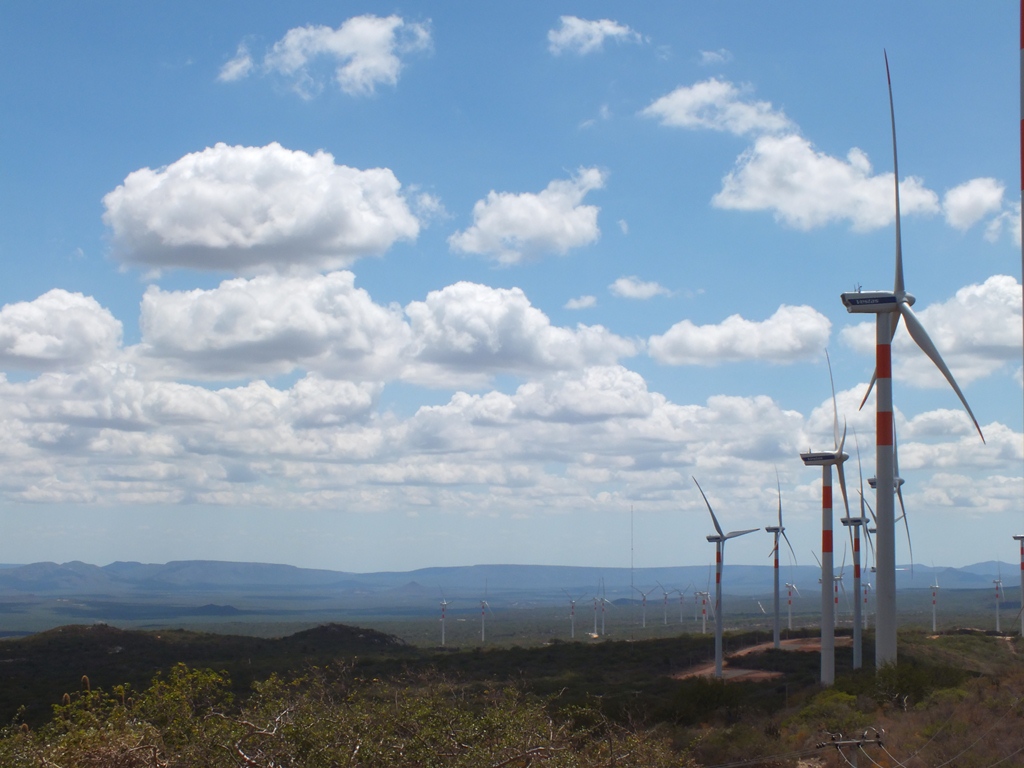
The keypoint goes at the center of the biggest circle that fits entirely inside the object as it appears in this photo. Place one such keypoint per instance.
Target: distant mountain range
(533, 583)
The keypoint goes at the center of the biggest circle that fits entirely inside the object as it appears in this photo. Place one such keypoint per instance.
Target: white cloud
(633, 287)
(977, 332)
(582, 36)
(272, 324)
(470, 332)
(721, 56)
(57, 330)
(967, 204)
(238, 67)
(581, 302)
(807, 189)
(717, 105)
(249, 208)
(512, 227)
(792, 333)
(366, 51)
(595, 394)
(1007, 220)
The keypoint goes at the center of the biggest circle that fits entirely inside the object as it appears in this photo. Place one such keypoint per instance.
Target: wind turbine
(1020, 538)
(664, 606)
(444, 605)
(778, 530)
(572, 614)
(705, 598)
(998, 581)
(682, 600)
(935, 592)
(888, 307)
(826, 460)
(853, 525)
(484, 609)
(791, 589)
(719, 540)
(643, 605)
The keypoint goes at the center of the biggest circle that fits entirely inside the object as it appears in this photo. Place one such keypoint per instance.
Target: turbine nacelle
(823, 459)
(876, 302)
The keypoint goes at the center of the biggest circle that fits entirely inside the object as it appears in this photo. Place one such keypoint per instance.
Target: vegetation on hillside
(954, 700)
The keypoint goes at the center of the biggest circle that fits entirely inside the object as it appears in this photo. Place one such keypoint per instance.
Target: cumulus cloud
(1008, 220)
(581, 302)
(717, 105)
(366, 51)
(596, 394)
(57, 330)
(273, 324)
(474, 331)
(238, 67)
(791, 333)
(633, 287)
(967, 204)
(582, 36)
(977, 332)
(243, 209)
(805, 188)
(511, 227)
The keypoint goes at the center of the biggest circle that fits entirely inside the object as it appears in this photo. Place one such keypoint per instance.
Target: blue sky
(365, 287)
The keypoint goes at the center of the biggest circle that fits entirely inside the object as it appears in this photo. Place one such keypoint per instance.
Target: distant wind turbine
(643, 605)
(998, 581)
(791, 588)
(572, 614)
(444, 605)
(1020, 539)
(935, 592)
(826, 460)
(719, 538)
(778, 530)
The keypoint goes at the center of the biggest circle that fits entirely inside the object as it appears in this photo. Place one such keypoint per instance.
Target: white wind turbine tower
(484, 609)
(888, 307)
(1020, 539)
(935, 593)
(853, 525)
(778, 530)
(826, 460)
(998, 581)
(719, 540)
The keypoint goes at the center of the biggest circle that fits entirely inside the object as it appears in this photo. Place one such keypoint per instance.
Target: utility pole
(838, 742)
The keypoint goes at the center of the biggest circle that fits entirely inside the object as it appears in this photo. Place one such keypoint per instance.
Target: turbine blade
(835, 409)
(791, 551)
(899, 286)
(734, 534)
(871, 385)
(921, 338)
(895, 453)
(778, 485)
(910, 543)
(713, 518)
(816, 558)
(842, 486)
